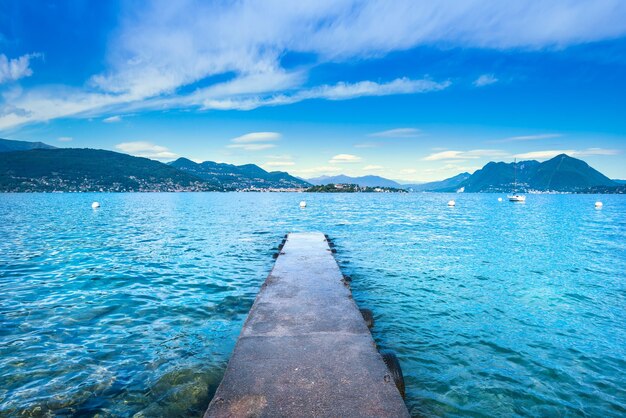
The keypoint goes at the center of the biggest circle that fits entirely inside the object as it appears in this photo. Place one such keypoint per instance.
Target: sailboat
(515, 197)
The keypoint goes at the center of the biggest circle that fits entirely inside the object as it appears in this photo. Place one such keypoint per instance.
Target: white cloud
(398, 133)
(65, 139)
(368, 145)
(343, 91)
(529, 137)
(344, 158)
(485, 80)
(314, 171)
(459, 156)
(252, 147)
(146, 149)
(338, 91)
(279, 164)
(280, 157)
(597, 151)
(144, 71)
(464, 155)
(12, 69)
(372, 27)
(257, 137)
(373, 167)
(444, 155)
(451, 169)
(255, 141)
(112, 119)
(45, 104)
(547, 154)
(541, 155)
(152, 42)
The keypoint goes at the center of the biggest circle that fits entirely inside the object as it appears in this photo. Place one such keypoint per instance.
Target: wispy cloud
(255, 141)
(252, 147)
(344, 158)
(398, 133)
(280, 157)
(65, 139)
(373, 168)
(154, 40)
(485, 80)
(444, 155)
(279, 164)
(597, 151)
(451, 169)
(145, 52)
(368, 145)
(112, 119)
(12, 69)
(528, 138)
(547, 154)
(313, 171)
(256, 137)
(464, 155)
(338, 91)
(45, 104)
(147, 150)
(459, 156)
(343, 91)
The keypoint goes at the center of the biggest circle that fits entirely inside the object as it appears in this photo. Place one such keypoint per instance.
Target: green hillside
(235, 177)
(559, 174)
(8, 145)
(72, 169)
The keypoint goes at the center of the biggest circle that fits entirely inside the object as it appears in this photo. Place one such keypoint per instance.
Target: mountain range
(8, 145)
(238, 177)
(90, 170)
(433, 186)
(364, 181)
(377, 181)
(559, 174)
(38, 167)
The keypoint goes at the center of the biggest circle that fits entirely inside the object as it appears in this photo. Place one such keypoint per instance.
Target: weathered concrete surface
(305, 350)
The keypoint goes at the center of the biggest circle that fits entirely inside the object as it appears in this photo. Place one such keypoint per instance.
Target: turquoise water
(494, 309)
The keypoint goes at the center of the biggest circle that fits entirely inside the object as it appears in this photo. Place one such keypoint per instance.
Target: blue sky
(408, 90)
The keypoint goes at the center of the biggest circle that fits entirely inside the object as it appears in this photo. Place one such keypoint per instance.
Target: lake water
(493, 308)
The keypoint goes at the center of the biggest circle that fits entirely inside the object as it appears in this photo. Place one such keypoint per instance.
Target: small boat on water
(515, 197)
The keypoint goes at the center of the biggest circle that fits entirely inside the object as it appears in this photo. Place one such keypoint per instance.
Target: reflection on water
(133, 309)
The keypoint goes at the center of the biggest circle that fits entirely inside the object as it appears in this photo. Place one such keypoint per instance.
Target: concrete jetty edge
(305, 350)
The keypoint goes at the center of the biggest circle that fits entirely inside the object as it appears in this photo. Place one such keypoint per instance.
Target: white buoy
(499, 199)
(451, 203)
(303, 204)
(95, 205)
(598, 205)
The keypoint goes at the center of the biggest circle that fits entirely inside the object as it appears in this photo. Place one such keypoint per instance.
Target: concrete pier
(305, 350)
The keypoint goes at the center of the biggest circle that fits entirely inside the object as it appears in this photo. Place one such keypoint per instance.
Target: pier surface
(305, 350)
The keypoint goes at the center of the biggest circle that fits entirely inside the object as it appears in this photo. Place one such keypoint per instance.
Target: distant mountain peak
(363, 181)
(9, 145)
(237, 177)
(183, 162)
(561, 173)
(449, 184)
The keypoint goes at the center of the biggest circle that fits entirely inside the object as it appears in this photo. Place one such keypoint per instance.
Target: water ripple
(132, 310)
